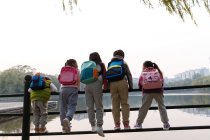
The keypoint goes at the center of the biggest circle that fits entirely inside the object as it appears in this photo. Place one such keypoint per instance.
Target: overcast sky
(38, 33)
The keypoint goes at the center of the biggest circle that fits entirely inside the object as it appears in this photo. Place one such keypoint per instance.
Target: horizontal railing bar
(109, 110)
(110, 131)
(186, 87)
(11, 95)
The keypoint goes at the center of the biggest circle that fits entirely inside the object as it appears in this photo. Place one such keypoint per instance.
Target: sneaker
(43, 130)
(117, 126)
(166, 126)
(66, 126)
(94, 129)
(138, 126)
(36, 129)
(126, 125)
(100, 131)
(63, 130)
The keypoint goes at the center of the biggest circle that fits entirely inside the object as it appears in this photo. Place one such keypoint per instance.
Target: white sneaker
(138, 126)
(94, 129)
(100, 131)
(166, 126)
(66, 125)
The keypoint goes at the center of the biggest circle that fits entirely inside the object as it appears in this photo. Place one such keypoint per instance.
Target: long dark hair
(148, 64)
(95, 57)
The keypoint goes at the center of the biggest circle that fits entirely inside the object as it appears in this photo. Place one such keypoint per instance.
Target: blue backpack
(89, 73)
(115, 70)
(37, 82)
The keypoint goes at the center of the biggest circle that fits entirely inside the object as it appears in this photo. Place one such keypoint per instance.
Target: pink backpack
(68, 75)
(152, 79)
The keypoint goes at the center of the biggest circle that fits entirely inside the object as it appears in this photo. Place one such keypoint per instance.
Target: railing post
(26, 109)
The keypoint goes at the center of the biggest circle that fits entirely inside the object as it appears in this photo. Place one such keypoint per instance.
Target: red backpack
(68, 75)
(151, 79)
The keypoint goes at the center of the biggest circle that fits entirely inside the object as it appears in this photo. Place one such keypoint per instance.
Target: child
(119, 89)
(94, 95)
(68, 94)
(39, 101)
(151, 82)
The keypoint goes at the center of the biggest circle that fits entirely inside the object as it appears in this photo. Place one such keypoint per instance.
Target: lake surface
(177, 117)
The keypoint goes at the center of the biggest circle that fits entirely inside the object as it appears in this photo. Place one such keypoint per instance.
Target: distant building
(192, 73)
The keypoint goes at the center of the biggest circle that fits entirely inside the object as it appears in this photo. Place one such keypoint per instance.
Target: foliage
(12, 79)
(181, 7)
(70, 4)
(178, 7)
(197, 80)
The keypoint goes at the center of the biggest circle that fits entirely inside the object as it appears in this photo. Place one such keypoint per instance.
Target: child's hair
(37, 74)
(47, 78)
(95, 57)
(147, 64)
(71, 62)
(119, 52)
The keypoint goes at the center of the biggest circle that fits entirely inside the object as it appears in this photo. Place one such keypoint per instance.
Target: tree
(70, 4)
(12, 79)
(181, 7)
(178, 7)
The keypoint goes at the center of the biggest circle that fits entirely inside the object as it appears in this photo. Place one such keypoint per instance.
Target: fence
(26, 114)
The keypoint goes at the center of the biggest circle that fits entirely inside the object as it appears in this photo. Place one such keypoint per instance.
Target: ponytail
(156, 67)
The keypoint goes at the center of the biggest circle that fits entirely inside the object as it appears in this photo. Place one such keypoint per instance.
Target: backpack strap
(103, 73)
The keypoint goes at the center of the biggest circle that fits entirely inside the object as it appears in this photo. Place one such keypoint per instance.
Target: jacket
(44, 94)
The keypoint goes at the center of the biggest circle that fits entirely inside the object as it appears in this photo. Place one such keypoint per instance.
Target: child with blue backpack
(120, 81)
(40, 90)
(70, 84)
(94, 90)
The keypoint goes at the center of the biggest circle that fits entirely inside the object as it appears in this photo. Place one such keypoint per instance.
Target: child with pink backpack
(151, 82)
(70, 83)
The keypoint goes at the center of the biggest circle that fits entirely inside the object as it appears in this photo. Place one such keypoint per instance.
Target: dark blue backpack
(37, 82)
(115, 70)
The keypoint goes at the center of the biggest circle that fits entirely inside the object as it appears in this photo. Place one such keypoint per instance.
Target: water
(177, 117)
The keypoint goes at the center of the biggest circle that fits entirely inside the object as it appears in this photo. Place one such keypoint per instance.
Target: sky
(40, 34)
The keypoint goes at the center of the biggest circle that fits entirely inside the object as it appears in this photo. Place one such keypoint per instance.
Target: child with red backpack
(70, 83)
(151, 82)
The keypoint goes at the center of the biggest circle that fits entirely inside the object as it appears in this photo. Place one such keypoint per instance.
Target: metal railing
(26, 114)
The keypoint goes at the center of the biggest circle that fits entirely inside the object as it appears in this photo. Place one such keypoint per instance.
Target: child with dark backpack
(40, 90)
(151, 82)
(70, 83)
(120, 81)
(94, 90)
